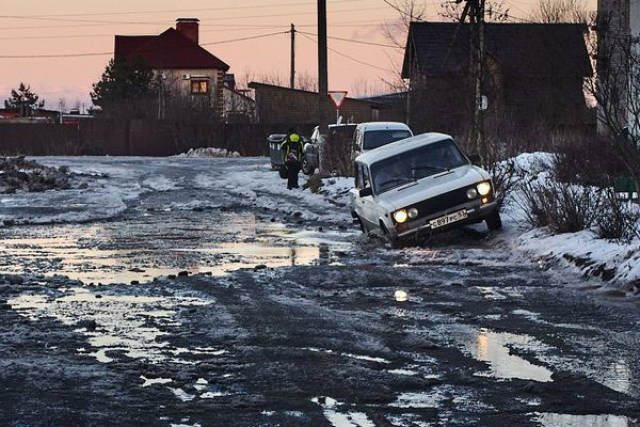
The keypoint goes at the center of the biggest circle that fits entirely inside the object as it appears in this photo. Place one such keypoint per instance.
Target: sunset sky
(32, 28)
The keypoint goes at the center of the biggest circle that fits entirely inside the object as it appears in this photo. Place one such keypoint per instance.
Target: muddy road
(214, 296)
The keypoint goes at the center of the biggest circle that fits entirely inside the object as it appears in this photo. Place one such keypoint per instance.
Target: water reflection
(493, 348)
(121, 252)
(118, 324)
(566, 420)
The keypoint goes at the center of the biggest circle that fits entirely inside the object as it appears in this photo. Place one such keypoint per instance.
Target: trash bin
(275, 152)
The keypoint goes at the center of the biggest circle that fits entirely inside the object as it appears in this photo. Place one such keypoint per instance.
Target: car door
(366, 204)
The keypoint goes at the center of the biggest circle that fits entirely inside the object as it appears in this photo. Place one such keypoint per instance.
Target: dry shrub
(562, 208)
(618, 219)
(587, 161)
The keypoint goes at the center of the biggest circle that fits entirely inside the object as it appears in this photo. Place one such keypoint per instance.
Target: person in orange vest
(292, 151)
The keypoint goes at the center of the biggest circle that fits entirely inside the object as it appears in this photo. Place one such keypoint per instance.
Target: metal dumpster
(274, 140)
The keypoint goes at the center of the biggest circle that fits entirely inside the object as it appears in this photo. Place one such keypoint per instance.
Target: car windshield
(378, 138)
(415, 164)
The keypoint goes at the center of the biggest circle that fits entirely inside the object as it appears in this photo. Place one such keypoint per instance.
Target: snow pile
(614, 261)
(20, 175)
(209, 152)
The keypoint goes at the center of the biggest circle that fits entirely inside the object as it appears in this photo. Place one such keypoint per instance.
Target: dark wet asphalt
(460, 331)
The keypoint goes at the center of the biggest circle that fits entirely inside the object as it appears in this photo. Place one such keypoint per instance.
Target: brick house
(283, 105)
(534, 77)
(180, 64)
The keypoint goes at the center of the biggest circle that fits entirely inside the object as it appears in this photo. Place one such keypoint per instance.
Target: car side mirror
(364, 192)
(475, 159)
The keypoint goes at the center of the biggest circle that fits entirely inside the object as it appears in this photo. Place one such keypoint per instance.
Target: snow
(209, 152)
(113, 184)
(582, 250)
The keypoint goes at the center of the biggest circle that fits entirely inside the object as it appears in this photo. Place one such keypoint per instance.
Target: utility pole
(475, 10)
(292, 76)
(478, 114)
(323, 84)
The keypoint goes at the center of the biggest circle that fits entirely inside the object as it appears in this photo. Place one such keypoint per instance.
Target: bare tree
(616, 89)
(495, 11)
(562, 11)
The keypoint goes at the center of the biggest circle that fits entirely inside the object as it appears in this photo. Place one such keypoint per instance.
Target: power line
(257, 36)
(353, 40)
(61, 55)
(74, 55)
(182, 10)
(347, 56)
(224, 18)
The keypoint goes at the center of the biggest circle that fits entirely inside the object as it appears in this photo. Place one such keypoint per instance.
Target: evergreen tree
(23, 99)
(124, 84)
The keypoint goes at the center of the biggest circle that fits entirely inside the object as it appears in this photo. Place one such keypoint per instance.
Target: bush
(618, 219)
(562, 208)
(587, 161)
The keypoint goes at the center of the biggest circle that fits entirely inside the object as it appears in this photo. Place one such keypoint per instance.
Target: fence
(135, 137)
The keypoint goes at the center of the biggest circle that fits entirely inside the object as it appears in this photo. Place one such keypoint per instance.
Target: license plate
(448, 219)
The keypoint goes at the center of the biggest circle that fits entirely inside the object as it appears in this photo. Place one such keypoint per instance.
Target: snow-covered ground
(119, 182)
(615, 261)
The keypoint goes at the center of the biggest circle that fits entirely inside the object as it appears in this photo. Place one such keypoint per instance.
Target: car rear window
(378, 138)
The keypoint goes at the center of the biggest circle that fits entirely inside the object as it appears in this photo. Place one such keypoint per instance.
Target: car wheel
(493, 221)
(363, 226)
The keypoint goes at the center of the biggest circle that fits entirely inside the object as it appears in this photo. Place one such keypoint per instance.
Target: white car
(370, 135)
(420, 185)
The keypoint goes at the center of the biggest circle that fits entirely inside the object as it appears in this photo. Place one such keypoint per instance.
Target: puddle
(118, 325)
(565, 420)
(139, 250)
(493, 348)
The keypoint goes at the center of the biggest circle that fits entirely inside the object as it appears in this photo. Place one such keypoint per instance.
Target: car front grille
(442, 202)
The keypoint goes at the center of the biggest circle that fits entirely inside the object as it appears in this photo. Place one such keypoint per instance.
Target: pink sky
(41, 27)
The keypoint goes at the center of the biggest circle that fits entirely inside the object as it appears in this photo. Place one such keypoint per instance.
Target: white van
(370, 135)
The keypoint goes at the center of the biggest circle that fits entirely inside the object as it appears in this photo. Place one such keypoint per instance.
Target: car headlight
(472, 193)
(400, 216)
(412, 213)
(484, 188)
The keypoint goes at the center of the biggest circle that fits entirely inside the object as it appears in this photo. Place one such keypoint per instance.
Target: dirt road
(207, 301)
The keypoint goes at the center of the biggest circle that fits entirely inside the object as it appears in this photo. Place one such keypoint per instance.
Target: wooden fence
(135, 137)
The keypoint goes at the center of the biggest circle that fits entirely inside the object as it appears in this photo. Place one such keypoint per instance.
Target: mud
(279, 323)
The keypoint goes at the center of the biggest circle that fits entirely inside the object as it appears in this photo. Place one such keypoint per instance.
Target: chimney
(188, 27)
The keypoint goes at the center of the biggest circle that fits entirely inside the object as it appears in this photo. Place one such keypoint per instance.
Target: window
(199, 87)
(378, 138)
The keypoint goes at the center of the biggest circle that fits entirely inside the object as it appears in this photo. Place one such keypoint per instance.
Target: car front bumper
(476, 212)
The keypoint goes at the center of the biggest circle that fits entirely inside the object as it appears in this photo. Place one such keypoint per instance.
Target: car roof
(401, 146)
(383, 126)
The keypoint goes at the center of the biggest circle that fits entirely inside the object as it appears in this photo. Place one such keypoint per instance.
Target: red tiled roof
(169, 50)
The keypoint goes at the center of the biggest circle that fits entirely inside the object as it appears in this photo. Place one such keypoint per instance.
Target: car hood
(432, 186)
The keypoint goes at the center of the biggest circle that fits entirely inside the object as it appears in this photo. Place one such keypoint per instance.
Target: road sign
(338, 97)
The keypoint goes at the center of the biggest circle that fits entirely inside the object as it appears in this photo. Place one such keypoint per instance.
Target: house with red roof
(182, 66)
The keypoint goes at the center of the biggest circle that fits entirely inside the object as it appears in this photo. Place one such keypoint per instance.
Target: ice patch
(181, 394)
(151, 381)
(330, 409)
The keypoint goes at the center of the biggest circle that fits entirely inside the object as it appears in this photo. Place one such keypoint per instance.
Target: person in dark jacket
(292, 152)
